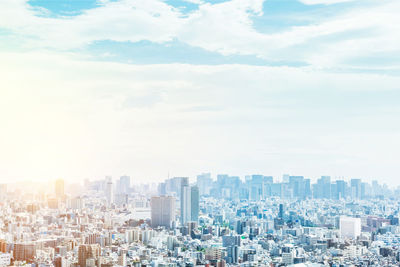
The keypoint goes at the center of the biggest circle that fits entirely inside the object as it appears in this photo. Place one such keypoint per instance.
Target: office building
(194, 204)
(109, 190)
(162, 211)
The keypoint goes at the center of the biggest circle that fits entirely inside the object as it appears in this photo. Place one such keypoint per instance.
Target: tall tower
(59, 189)
(281, 211)
(109, 190)
(125, 184)
(194, 204)
(189, 202)
(82, 255)
(185, 201)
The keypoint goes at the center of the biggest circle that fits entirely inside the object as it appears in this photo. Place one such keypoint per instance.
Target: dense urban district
(218, 222)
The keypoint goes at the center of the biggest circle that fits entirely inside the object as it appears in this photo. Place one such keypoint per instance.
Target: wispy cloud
(226, 28)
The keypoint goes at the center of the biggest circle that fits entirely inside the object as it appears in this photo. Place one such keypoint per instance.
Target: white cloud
(118, 21)
(324, 2)
(226, 28)
(198, 2)
(359, 33)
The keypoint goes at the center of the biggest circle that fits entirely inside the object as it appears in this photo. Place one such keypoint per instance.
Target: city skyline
(199, 133)
(98, 87)
(192, 179)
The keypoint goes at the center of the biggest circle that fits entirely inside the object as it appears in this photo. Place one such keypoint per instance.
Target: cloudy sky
(90, 88)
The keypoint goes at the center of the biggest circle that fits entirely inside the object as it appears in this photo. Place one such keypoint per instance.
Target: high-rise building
(298, 186)
(24, 251)
(162, 211)
(185, 202)
(204, 182)
(76, 203)
(87, 252)
(59, 188)
(355, 188)
(189, 202)
(232, 254)
(341, 189)
(230, 240)
(109, 192)
(323, 188)
(281, 211)
(173, 185)
(256, 187)
(124, 185)
(194, 204)
(52, 203)
(3, 246)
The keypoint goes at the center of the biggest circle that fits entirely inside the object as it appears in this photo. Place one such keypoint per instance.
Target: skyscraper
(124, 184)
(204, 182)
(109, 190)
(281, 211)
(323, 187)
(256, 187)
(59, 188)
(189, 202)
(355, 188)
(298, 186)
(194, 204)
(341, 189)
(162, 211)
(185, 201)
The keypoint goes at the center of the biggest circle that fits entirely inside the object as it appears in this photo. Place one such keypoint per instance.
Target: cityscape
(227, 221)
(199, 133)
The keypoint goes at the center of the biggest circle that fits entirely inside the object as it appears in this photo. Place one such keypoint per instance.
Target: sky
(158, 88)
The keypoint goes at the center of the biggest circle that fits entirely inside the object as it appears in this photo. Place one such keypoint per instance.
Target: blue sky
(150, 87)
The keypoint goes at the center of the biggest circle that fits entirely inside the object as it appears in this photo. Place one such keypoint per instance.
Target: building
(86, 253)
(232, 254)
(189, 203)
(288, 254)
(3, 192)
(52, 203)
(3, 246)
(185, 201)
(76, 203)
(162, 211)
(124, 185)
(355, 188)
(24, 251)
(59, 188)
(204, 182)
(109, 192)
(5, 259)
(194, 204)
(350, 227)
(230, 240)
